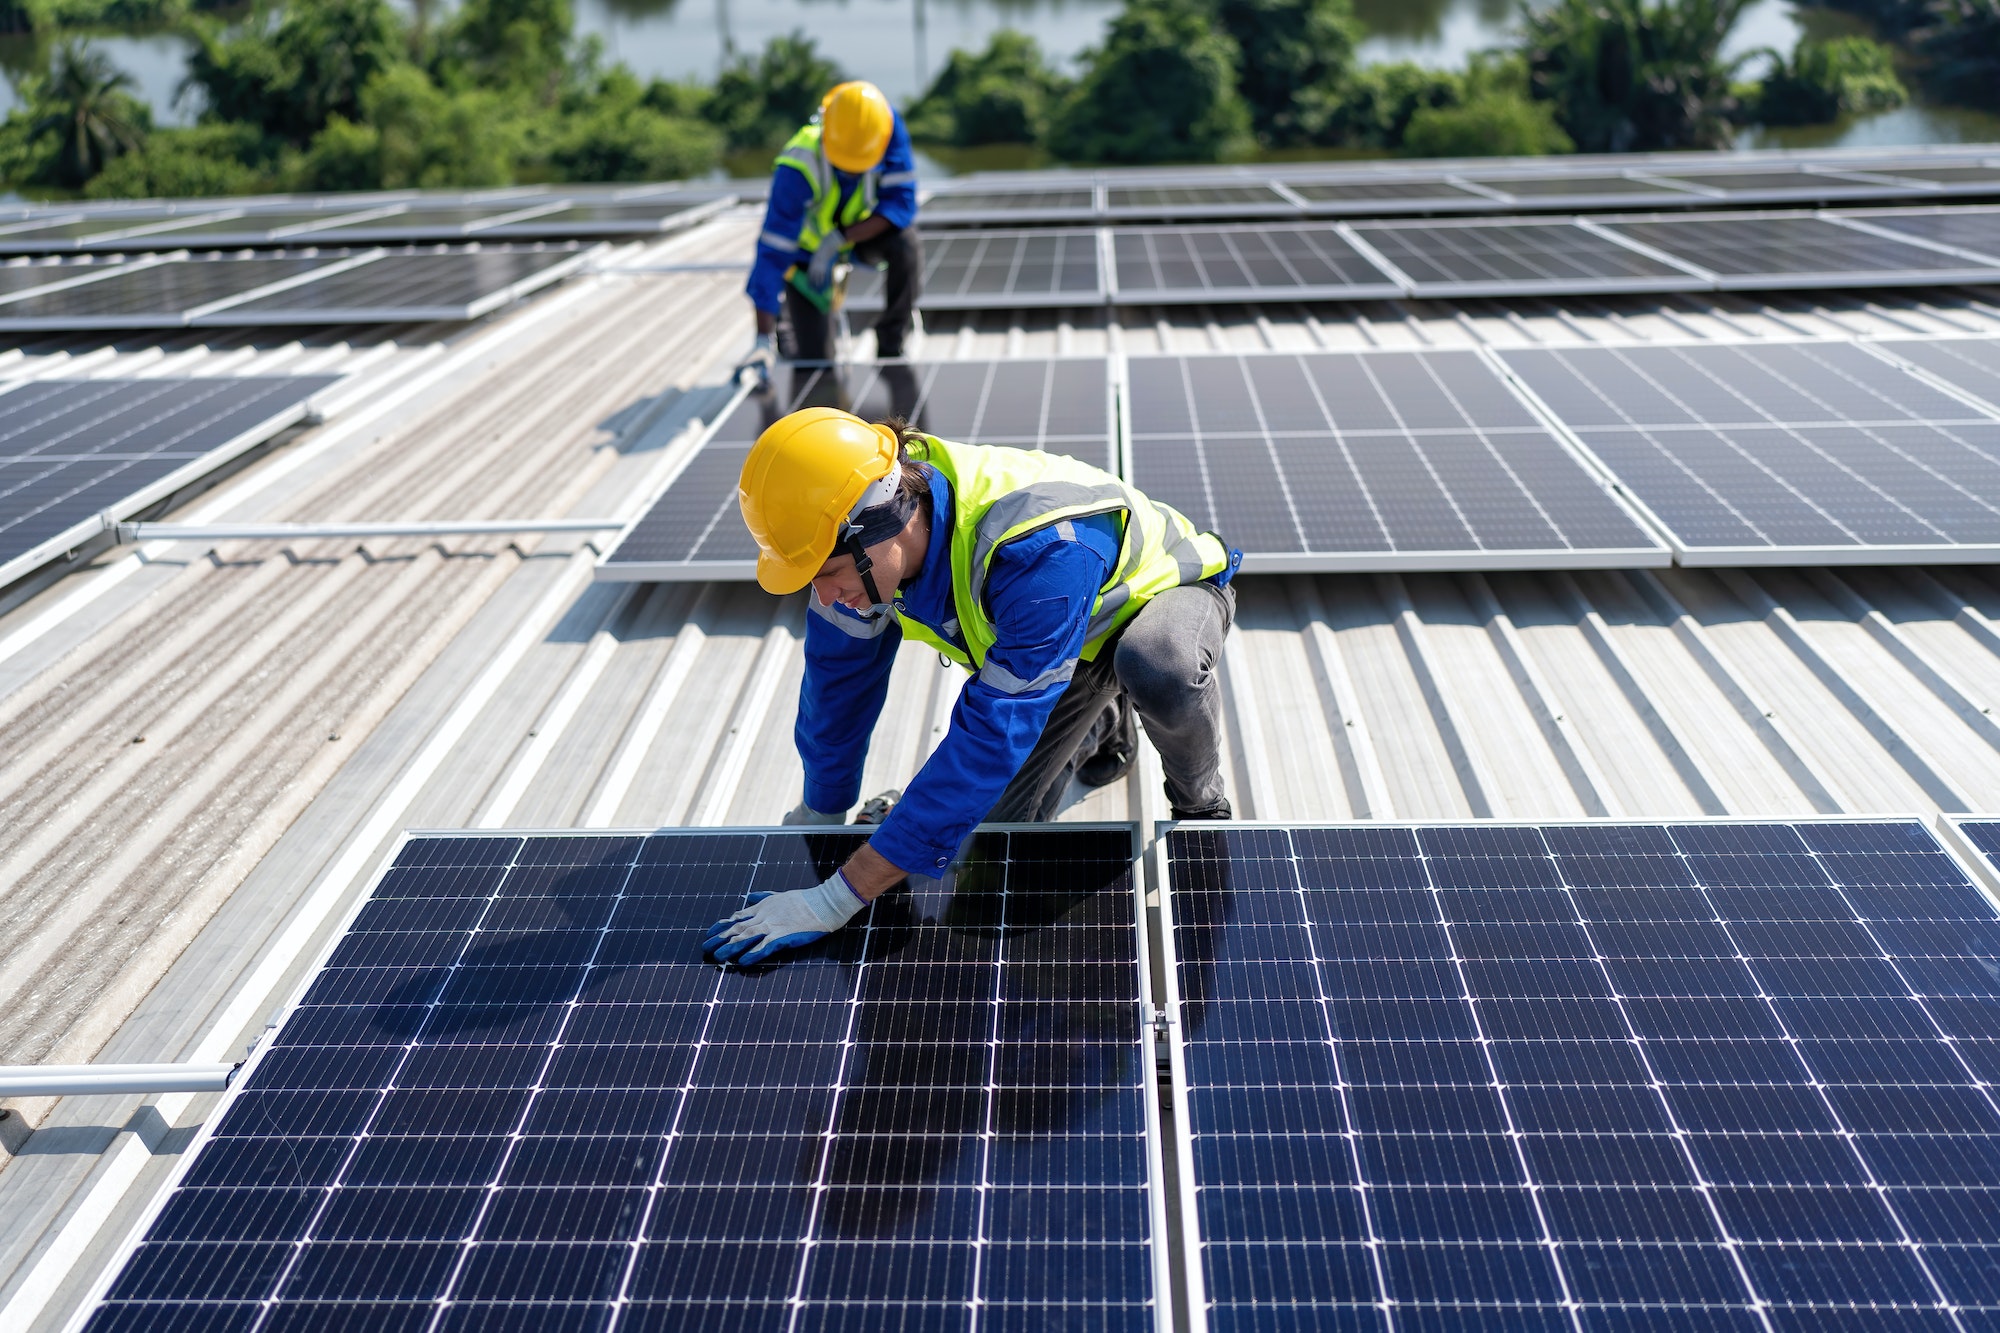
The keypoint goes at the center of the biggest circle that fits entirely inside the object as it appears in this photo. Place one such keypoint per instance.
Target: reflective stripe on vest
(1002, 494)
(826, 211)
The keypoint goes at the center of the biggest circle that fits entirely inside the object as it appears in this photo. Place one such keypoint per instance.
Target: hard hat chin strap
(850, 543)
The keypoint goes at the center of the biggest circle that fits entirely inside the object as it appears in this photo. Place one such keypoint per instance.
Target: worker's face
(838, 581)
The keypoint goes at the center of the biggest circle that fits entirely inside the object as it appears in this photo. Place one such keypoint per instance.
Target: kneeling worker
(1068, 593)
(845, 184)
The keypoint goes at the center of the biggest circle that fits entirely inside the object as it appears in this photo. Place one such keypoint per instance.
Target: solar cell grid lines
(72, 451)
(1701, 1076)
(1782, 453)
(993, 269)
(1166, 265)
(694, 529)
(1486, 258)
(513, 1096)
(1799, 250)
(1369, 461)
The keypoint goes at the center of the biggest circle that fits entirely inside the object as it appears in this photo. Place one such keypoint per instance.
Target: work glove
(820, 269)
(775, 921)
(805, 814)
(763, 354)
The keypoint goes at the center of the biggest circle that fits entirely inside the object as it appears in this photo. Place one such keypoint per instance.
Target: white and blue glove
(805, 814)
(820, 269)
(775, 921)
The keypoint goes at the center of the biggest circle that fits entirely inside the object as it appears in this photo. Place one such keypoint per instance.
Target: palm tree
(86, 103)
(1634, 76)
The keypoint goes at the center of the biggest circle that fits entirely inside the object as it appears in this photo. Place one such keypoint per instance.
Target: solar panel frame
(1423, 255)
(211, 285)
(999, 206)
(1982, 878)
(611, 219)
(118, 494)
(1969, 366)
(448, 847)
(419, 221)
(1239, 252)
(1971, 231)
(1415, 483)
(1778, 473)
(1777, 184)
(998, 269)
(650, 548)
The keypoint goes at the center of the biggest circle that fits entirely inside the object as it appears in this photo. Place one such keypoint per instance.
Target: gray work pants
(1165, 659)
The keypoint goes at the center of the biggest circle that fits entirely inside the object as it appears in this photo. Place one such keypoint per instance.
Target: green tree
(1634, 75)
(85, 109)
(1824, 79)
(619, 131)
(1961, 39)
(1162, 88)
(521, 45)
(213, 159)
(761, 103)
(290, 71)
(1003, 94)
(1494, 124)
(414, 134)
(1374, 105)
(1288, 47)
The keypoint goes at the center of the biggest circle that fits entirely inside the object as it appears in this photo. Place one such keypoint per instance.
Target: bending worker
(845, 185)
(1073, 598)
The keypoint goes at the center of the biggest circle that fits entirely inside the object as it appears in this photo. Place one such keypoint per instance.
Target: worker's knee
(1168, 663)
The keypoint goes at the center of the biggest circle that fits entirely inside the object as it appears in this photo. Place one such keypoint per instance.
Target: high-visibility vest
(1003, 494)
(826, 211)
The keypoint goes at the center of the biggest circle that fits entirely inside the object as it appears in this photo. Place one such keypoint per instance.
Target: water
(900, 44)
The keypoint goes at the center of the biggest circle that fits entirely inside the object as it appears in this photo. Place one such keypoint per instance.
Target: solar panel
(236, 228)
(167, 294)
(1544, 188)
(693, 530)
(72, 451)
(978, 270)
(422, 224)
(1177, 265)
(1946, 176)
(1063, 203)
(514, 1097)
(1374, 461)
(454, 285)
(1708, 1076)
(1514, 258)
(1971, 364)
(1753, 251)
(580, 220)
(1975, 229)
(1760, 183)
(1361, 194)
(1251, 199)
(1782, 453)
(17, 278)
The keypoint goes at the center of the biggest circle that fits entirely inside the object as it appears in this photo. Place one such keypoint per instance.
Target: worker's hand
(775, 921)
(805, 814)
(820, 270)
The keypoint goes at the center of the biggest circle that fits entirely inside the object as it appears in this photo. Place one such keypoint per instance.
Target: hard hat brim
(781, 577)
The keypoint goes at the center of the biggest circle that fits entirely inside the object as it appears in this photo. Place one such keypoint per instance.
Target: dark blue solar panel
(515, 1097)
(1712, 1076)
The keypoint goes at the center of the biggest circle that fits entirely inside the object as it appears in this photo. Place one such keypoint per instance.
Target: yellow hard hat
(855, 123)
(801, 480)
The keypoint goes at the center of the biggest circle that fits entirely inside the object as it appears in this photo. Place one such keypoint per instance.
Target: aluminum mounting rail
(216, 532)
(75, 1080)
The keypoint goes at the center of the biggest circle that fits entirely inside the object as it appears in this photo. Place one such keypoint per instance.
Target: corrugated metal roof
(301, 706)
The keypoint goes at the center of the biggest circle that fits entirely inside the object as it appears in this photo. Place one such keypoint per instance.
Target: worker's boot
(1117, 748)
(1220, 810)
(876, 808)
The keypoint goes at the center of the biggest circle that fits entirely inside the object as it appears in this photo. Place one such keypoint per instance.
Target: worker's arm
(848, 661)
(1040, 590)
(777, 244)
(896, 192)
